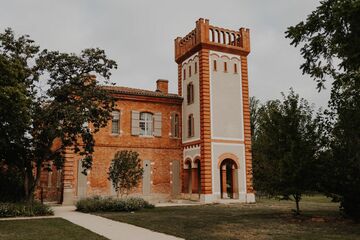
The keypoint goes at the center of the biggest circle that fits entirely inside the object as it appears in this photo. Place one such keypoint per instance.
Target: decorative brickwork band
(205, 132)
(247, 129)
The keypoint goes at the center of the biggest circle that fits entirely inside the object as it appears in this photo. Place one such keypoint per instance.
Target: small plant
(125, 171)
(99, 204)
(24, 209)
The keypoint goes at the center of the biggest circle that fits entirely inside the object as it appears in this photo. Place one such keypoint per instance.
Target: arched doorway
(197, 177)
(187, 176)
(228, 179)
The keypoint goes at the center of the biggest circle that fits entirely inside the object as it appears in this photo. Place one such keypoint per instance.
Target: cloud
(140, 35)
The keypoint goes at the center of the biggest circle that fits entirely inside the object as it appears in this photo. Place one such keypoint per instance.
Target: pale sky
(139, 36)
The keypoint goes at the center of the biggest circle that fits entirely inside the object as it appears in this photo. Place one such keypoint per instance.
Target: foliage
(34, 113)
(11, 184)
(125, 171)
(254, 109)
(24, 209)
(330, 46)
(285, 148)
(98, 204)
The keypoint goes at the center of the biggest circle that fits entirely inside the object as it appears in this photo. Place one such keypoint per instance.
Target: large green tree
(330, 45)
(285, 148)
(47, 96)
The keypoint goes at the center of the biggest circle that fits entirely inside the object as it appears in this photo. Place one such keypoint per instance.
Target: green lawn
(267, 219)
(44, 229)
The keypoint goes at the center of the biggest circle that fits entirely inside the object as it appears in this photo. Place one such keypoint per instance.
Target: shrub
(11, 184)
(24, 209)
(99, 204)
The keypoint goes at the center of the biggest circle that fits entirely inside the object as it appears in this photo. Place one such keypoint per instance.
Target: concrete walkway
(110, 229)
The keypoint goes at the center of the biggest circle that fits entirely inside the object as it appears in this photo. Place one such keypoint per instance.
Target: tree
(125, 171)
(32, 117)
(330, 45)
(254, 109)
(285, 148)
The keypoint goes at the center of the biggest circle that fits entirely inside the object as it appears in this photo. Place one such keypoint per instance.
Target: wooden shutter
(135, 129)
(157, 124)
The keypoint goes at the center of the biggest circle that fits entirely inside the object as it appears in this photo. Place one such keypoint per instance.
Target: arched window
(214, 66)
(191, 125)
(225, 66)
(184, 74)
(115, 122)
(195, 67)
(189, 71)
(175, 125)
(235, 68)
(190, 93)
(146, 124)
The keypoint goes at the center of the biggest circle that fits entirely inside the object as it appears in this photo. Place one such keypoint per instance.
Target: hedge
(100, 204)
(24, 209)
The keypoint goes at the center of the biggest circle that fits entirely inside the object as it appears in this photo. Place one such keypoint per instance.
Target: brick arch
(189, 61)
(231, 156)
(215, 55)
(187, 161)
(195, 158)
(224, 56)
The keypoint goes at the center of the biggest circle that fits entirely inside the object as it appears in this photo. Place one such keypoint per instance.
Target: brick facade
(197, 175)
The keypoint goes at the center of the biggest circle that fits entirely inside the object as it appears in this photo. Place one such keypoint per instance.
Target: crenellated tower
(216, 136)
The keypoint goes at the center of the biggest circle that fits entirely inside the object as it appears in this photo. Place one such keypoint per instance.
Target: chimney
(162, 86)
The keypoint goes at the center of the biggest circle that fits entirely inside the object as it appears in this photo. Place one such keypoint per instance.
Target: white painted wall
(226, 97)
(193, 108)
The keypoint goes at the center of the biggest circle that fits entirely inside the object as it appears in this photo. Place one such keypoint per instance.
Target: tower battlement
(207, 36)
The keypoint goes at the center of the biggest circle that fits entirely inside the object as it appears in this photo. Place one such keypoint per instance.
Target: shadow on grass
(268, 219)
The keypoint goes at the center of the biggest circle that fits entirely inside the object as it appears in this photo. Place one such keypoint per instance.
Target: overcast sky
(139, 36)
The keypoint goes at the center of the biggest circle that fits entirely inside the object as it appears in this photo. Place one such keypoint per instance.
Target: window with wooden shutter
(157, 124)
(135, 117)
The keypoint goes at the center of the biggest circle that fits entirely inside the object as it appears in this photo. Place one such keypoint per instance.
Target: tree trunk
(26, 185)
(31, 182)
(297, 198)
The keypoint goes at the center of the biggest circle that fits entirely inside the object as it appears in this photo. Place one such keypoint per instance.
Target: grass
(267, 219)
(44, 229)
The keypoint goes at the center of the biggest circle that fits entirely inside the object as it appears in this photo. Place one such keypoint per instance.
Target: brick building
(195, 144)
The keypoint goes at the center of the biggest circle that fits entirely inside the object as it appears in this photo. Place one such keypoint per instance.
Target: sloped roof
(140, 92)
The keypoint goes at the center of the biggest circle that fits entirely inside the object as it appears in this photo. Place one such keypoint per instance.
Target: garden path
(110, 229)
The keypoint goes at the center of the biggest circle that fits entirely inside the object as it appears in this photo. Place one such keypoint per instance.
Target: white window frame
(115, 121)
(146, 122)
